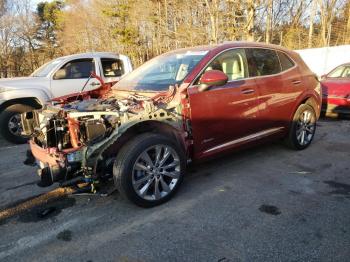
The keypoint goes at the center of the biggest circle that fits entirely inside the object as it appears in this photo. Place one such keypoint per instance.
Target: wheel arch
(311, 101)
(148, 126)
(308, 99)
(28, 101)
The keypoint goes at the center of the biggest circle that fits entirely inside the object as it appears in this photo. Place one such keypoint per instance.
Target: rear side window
(112, 67)
(285, 61)
(262, 62)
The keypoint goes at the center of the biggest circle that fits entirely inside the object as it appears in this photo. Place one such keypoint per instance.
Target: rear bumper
(339, 105)
(335, 109)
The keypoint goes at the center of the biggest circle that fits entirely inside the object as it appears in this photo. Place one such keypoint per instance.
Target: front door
(72, 76)
(222, 116)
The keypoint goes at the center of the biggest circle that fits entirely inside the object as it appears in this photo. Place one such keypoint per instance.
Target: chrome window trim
(192, 85)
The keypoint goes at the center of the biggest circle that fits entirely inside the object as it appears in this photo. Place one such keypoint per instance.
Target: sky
(35, 2)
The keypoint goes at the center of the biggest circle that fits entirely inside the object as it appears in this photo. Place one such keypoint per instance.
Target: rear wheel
(303, 128)
(149, 169)
(10, 122)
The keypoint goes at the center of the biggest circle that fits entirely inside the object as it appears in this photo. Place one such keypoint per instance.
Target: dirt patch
(47, 210)
(272, 210)
(339, 188)
(65, 235)
(33, 209)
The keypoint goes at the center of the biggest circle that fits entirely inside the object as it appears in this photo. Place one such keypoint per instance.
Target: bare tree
(269, 21)
(213, 10)
(311, 23)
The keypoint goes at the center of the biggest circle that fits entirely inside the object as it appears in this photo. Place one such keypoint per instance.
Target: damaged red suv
(184, 106)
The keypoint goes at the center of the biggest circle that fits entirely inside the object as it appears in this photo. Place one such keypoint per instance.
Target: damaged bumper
(79, 142)
(47, 156)
(54, 166)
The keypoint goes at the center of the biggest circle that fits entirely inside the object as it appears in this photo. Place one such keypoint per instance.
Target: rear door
(222, 115)
(72, 76)
(276, 89)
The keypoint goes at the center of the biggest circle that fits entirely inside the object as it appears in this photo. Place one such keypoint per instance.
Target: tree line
(142, 29)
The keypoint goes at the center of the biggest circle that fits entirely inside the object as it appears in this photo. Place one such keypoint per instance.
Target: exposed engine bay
(70, 140)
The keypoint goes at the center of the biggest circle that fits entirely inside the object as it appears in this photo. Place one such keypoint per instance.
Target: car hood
(22, 82)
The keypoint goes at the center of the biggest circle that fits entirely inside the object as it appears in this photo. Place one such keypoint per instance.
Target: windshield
(45, 69)
(161, 72)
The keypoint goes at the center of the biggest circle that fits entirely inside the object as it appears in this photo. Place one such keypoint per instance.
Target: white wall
(323, 60)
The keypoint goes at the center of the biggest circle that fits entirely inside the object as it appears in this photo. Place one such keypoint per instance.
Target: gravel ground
(262, 204)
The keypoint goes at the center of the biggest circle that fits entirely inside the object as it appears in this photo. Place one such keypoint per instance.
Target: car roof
(345, 64)
(92, 54)
(231, 44)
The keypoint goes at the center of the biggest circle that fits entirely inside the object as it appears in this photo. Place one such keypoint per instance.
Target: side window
(262, 62)
(336, 73)
(233, 63)
(76, 69)
(346, 73)
(285, 61)
(112, 67)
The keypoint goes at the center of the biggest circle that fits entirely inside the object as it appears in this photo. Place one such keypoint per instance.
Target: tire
(134, 172)
(12, 114)
(303, 127)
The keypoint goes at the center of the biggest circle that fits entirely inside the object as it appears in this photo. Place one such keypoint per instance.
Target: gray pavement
(263, 204)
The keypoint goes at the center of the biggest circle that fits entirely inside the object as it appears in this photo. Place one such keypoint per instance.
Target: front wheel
(149, 169)
(303, 127)
(10, 122)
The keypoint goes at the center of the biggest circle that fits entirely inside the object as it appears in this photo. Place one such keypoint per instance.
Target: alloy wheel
(14, 125)
(306, 127)
(156, 172)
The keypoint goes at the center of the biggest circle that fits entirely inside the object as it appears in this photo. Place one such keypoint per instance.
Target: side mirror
(323, 77)
(212, 78)
(60, 74)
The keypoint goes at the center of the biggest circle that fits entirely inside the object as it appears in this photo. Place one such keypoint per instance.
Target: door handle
(296, 82)
(94, 84)
(247, 91)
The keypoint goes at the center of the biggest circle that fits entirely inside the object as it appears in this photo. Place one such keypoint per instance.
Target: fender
(41, 96)
(309, 94)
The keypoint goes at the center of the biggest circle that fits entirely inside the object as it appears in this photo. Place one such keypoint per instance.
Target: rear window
(262, 62)
(285, 61)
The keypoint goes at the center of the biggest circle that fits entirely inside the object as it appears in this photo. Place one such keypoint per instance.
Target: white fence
(322, 60)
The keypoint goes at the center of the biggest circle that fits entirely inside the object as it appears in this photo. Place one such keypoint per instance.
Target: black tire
(123, 169)
(5, 116)
(295, 138)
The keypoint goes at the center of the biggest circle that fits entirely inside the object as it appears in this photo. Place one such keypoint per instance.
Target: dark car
(336, 91)
(184, 106)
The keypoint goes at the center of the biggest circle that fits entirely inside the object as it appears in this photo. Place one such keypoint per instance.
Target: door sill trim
(245, 139)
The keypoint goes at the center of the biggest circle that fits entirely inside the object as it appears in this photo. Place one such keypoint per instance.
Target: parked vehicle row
(60, 77)
(336, 91)
(184, 106)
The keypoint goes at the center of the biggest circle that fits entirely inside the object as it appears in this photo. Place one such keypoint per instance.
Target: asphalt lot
(263, 204)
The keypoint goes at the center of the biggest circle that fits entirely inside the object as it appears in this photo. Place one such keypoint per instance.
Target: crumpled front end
(69, 141)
